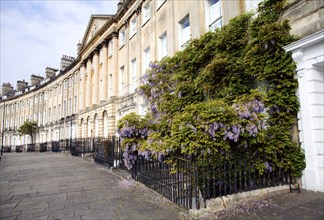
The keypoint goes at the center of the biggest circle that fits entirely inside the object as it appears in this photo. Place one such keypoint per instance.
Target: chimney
(21, 85)
(6, 88)
(78, 48)
(119, 5)
(66, 61)
(35, 80)
(50, 72)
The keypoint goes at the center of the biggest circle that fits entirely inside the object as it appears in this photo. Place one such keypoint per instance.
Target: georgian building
(87, 95)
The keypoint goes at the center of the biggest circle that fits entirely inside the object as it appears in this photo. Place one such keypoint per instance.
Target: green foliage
(28, 128)
(233, 87)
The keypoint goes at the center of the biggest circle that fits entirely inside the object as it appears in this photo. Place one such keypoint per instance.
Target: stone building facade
(306, 19)
(89, 93)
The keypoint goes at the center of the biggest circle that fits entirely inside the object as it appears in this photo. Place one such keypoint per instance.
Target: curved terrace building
(87, 95)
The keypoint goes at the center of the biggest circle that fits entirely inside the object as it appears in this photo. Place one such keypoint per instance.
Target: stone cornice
(305, 42)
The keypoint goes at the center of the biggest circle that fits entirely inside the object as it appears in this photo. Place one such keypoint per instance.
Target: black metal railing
(56, 146)
(31, 147)
(177, 186)
(19, 148)
(81, 146)
(195, 180)
(107, 151)
(43, 147)
(235, 172)
(7, 149)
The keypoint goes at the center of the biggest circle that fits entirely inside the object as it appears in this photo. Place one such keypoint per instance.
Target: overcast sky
(35, 34)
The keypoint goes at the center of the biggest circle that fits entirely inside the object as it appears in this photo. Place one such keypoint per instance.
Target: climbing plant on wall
(231, 87)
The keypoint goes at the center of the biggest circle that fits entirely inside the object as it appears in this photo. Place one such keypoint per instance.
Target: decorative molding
(298, 58)
(126, 23)
(104, 43)
(115, 34)
(138, 10)
(305, 42)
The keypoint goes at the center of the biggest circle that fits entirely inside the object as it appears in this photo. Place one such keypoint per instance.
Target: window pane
(185, 31)
(164, 46)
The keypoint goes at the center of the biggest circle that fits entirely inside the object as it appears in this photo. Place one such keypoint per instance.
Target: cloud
(35, 34)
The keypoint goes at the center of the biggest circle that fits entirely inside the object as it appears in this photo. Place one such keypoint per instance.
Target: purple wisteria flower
(252, 129)
(192, 127)
(268, 167)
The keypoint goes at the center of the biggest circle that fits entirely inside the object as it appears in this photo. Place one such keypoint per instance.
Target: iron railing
(176, 185)
(107, 151)
(43, 147)
(235, 172)
(81, 146)
(30, 147)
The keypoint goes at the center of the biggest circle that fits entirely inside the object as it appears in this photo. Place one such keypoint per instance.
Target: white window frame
(132, 27)
(75, 104)
(159, 3)
(146, 15)
(251, 5)
(133, 75)
(110, 48)
(184, 31)
(101, 56)
(65, 85)
(146, 59)
(121, 38)
(121, 81)
(163, 47)
(214, 20)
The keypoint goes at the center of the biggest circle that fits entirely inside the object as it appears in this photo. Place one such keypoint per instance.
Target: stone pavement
(281, 205)
(60, 186)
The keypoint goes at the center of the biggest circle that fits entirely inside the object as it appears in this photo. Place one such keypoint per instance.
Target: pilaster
(104, 85)
(95, 83)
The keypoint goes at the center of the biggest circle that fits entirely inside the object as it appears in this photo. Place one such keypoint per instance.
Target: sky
(35, 34)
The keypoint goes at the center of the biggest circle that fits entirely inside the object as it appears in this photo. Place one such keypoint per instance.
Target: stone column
(82, 84)
(104, 73)
(95, 82)
(88, 84)
(115, 66)
(127, 67)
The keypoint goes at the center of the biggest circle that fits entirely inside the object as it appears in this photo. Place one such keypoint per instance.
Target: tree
(28, 128)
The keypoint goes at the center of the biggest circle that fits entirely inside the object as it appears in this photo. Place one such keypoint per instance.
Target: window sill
(132, 35)
(144, 22)
(121, 46)
(158, 8)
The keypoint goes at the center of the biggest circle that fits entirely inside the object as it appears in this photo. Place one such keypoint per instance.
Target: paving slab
(60, 186)
(306, 205)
